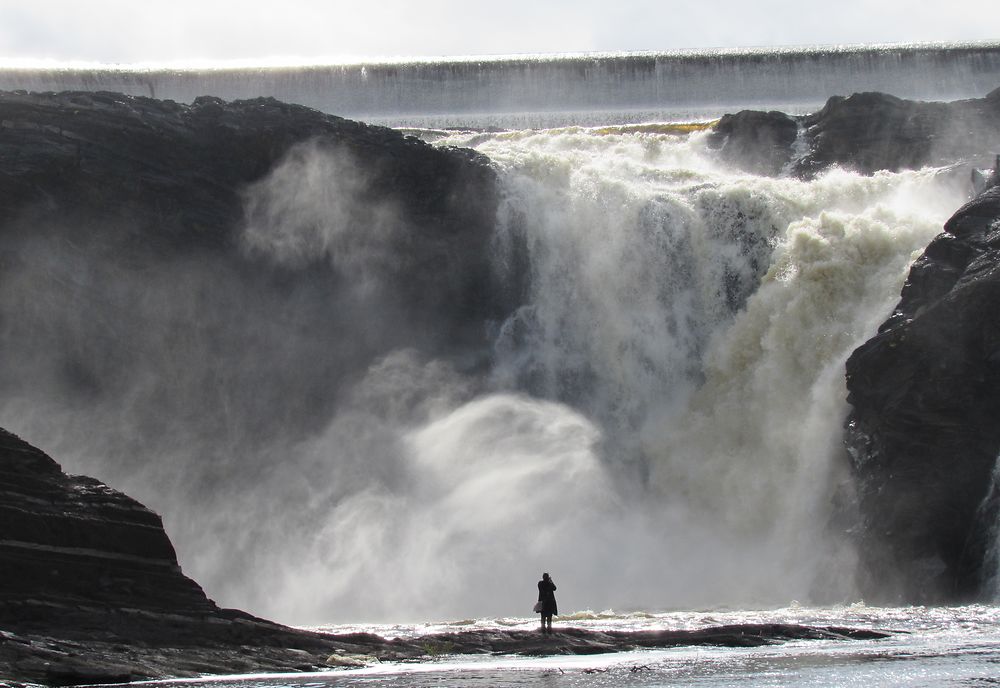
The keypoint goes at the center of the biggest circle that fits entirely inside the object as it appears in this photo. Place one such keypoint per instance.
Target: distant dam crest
(551, 90)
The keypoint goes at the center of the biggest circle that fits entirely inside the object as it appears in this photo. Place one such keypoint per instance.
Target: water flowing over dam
(532, 91)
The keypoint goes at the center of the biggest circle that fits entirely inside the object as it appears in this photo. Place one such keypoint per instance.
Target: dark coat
(546, 590)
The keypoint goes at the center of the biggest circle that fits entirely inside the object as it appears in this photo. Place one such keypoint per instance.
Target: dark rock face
(760, 142)
(875, 131)
(69, 540)
(125, 275)
(865, 132)
(923, 432)
(85, 570)
(176, 176)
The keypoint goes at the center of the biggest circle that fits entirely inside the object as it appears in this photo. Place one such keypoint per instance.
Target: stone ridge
(923, 434)
(90, 590)
(864, 132)
(174, 177)
(184, 166)
(68, 541)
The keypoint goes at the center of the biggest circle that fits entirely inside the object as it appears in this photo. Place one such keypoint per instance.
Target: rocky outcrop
(71, 541)
(759, 142)
(91, 590)
(176, 177)
(865, 132)
(923, 433)
(875, 131)
(128, 269)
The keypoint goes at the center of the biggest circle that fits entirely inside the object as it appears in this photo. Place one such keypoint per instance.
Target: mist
(332, 434)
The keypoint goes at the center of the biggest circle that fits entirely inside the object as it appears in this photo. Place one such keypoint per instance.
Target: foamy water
(659, 424)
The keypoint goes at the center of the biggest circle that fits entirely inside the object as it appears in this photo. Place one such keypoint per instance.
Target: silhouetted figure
(546, 595)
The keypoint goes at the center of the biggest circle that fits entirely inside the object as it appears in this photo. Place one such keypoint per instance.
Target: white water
(727, 413)
(659, 426)
(662, 424)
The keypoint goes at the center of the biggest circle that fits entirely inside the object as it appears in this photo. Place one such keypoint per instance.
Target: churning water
(659, 423)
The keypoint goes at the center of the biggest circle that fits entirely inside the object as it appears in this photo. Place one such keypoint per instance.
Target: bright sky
(136, 31)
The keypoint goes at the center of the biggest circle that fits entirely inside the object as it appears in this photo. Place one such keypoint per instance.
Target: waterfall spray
(658, 421)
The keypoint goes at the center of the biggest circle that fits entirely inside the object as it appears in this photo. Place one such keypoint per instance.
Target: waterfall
(658, 424)
(662, 422)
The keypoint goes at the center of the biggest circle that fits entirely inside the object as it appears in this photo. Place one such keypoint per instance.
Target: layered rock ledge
(91, 585)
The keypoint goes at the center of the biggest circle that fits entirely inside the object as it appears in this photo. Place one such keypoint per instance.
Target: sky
(198, 31)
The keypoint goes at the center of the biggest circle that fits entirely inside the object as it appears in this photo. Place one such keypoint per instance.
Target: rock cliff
(91, 590)
(105, 200)
(923, 433)
(198, 280)
(865, 132)
(175, 179)
(66, 541)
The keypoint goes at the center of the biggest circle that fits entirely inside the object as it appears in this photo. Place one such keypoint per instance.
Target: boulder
(758, 142)
(922, 433)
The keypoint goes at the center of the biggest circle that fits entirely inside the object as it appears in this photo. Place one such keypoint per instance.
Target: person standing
(546, 595)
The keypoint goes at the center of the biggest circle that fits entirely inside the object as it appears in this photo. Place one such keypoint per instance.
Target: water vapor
(655, 423)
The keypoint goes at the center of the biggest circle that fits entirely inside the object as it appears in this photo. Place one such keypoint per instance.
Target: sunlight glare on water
(948, 646)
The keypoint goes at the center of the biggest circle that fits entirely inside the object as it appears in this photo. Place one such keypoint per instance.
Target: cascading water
(658, 426)
(700, 318)
(661, 422)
